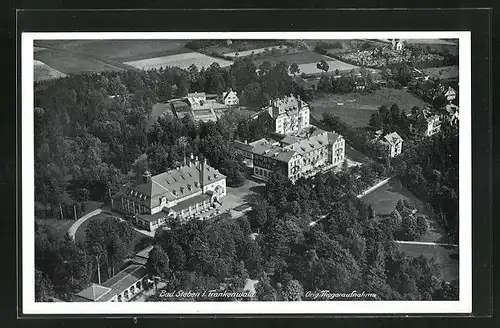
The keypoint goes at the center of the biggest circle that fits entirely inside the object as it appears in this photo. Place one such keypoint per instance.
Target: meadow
(182, 61)
(356, 109)
(72, 63)
(44, 72)
(120, 50)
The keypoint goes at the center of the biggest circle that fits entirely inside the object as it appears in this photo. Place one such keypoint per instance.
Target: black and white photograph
(246, 172)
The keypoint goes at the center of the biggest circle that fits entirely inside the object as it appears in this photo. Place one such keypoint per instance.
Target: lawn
(384, 199)
(44, 72)
(299, 58)
(446, 257)
(356, 108)
(182, 61)
(72, 63)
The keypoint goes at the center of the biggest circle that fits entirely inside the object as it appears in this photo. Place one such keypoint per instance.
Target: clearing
(306, 60)
(384, 200)
(356, 109)
(182, 61)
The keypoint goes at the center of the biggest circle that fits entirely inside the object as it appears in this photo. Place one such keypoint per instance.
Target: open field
(445, 72)
(121, 50)
(182, 61)
(218, 50)
(298, 58)
(44, 72)
(333, 64)
(253, 51)
(306, 61)
(72, 63)
(356, 108)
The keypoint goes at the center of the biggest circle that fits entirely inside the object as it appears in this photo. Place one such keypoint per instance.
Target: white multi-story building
(182, 192)
(295, 156)
(289, 114)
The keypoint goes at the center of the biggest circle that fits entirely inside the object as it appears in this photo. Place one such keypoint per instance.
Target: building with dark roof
(302, 154)
(182, 192)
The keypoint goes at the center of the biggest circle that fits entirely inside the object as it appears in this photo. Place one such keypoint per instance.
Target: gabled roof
(115, 285)
(393, 138)
(173, 184)
(230, 92)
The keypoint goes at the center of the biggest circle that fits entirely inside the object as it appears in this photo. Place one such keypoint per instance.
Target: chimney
(202, 172)
(146, 176)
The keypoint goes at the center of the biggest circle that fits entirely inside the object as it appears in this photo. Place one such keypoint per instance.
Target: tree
(158, 263)
(44, 290)
(376, 121)
(323, 66)
(293, 291)
(294, 69)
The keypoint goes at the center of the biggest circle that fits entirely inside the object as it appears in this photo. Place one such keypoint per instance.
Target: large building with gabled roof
(302, 154)
(182, 192)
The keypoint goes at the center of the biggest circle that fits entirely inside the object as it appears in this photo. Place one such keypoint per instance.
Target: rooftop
(189, 202)
(393, 138)
(115, 285)
(173, 184)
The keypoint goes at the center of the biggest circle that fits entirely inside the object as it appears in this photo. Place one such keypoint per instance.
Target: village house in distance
(297, 148)
(181, 193)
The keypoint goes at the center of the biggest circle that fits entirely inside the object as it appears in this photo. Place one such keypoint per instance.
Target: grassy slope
(357, 113)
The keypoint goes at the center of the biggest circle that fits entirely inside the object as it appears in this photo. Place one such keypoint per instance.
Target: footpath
(374, 187)
(72, 230)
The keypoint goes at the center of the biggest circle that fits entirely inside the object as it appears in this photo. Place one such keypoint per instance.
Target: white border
(464, 305)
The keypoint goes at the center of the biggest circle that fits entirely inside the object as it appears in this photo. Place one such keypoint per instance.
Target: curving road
(72, 230)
